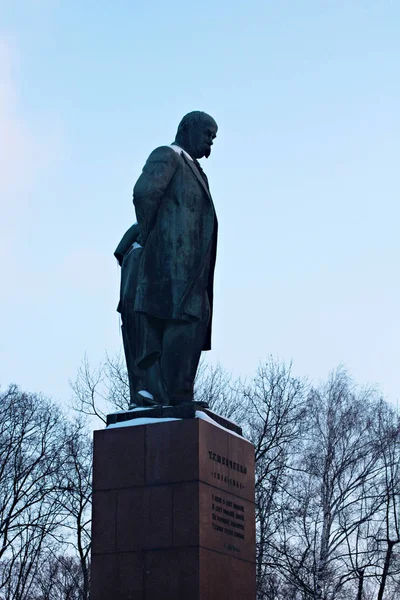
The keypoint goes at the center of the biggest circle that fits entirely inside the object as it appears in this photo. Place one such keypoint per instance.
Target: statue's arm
(128, 239)
(151, 185)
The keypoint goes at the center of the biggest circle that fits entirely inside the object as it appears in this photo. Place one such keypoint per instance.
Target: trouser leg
(182, 343)
(133, 372)
(175, 346)
(148, 379)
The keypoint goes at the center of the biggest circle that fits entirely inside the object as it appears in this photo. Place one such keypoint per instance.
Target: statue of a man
(167, 290)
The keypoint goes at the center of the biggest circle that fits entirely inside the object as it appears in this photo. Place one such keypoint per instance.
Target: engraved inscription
(229, 478)
(228, 518)
(226, 462)
(219, 477)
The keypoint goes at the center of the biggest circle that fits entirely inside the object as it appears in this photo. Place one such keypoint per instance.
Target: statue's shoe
(144, 398)
(191, 403)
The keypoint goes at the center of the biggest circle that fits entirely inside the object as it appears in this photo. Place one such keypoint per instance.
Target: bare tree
(75, 501)
(387, 533)
(274, 409)
(333, 492)
(29, 460)
(60, 578)
(102, 389)
(35, 447)
(223, 393)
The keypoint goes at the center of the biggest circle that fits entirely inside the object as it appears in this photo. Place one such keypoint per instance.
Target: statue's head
(196, 133)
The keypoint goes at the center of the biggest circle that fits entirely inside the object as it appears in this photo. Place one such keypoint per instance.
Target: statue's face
(201, 137)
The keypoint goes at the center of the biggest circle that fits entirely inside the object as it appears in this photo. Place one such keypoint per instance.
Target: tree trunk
(324, 552)
(385, 572)
(360, 573)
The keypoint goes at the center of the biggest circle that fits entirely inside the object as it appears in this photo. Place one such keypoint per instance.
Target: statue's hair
(189, 120)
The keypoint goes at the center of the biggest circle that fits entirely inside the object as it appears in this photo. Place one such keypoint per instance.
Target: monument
(168, 272)
(173, 482)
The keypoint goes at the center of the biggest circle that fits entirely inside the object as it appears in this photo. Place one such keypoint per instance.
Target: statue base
(185, 411)
(173, 512)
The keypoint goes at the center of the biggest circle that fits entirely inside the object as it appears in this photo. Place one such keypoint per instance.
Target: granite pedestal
(173, 513)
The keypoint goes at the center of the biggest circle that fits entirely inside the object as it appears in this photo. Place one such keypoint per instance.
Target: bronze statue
(168, 270)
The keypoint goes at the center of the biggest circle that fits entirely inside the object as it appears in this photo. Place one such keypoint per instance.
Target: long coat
(178, 232)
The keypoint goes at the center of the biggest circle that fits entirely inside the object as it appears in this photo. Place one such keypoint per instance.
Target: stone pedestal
(173, 513)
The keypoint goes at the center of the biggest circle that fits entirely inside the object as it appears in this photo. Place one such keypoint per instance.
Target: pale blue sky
(304, 175)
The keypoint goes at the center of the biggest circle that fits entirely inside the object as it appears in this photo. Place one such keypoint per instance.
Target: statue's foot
(200, 404)
(192, 403)
(146, 399)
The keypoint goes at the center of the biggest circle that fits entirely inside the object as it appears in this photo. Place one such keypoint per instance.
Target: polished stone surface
(182, 524)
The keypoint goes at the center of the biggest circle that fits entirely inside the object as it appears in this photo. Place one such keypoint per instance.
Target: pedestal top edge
(140, 423)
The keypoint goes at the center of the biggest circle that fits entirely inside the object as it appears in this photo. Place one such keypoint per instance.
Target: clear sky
(304, 175)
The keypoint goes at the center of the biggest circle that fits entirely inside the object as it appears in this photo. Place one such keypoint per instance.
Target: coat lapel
(197, 174)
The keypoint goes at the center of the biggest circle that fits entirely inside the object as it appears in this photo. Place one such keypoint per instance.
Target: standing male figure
(178, 233)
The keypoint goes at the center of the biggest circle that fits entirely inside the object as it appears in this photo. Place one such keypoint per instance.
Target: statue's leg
(135, 375)
(147, 346)
(147, 379)
(129, 365)
(154, 383)
(129, 274)
(181, 350)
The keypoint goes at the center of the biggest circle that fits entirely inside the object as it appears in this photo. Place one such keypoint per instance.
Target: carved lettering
(226, 462)
(228, 518)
